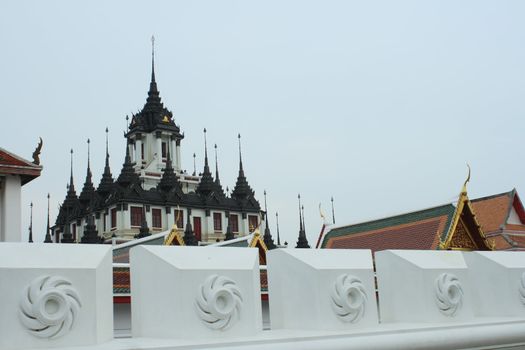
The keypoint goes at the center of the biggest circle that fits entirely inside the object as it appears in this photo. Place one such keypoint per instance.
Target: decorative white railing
(60, 296)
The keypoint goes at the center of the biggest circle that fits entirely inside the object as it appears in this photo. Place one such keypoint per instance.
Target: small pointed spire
(278, 234)
(71, 184)
(216, 166)
(194, 165)
(333, 213)
(106, 182)
(300, 214)
(31, 224)
(90, 232)
(48, 232)
(302, 241)
(153, 58)
(169, 179)
(242, 191)
(88, 191)
(206, 185)
(127, 174)
(268, 240)
(240, 154)
(189, 237)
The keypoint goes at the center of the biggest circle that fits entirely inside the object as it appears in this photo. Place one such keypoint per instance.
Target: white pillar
(170, 219)
(245, 229)
(178, 157)
(10, 207)
(138, 153)
(158, 142)
(173, 154)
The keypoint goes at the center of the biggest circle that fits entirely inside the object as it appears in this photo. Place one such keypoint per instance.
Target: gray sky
(378, 103)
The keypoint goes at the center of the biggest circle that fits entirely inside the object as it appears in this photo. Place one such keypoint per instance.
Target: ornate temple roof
(447, 226)
(153, 116)
(12, 164)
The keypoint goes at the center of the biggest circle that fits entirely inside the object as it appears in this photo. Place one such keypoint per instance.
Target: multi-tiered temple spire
(106, 182)
(268, 240)
(302, 242)
(206, 185)
(48, 231)
(127, 174)
(88, 191)
(242, 191)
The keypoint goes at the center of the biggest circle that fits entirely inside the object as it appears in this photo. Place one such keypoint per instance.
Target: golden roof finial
(464, 189)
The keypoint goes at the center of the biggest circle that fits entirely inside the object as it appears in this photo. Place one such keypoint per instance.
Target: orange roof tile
(492, 211)
(416, 235)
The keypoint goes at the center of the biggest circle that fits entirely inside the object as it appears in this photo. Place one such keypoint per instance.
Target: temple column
(244, 225)
(173, 154)
(138, 153)
(158, 146)
(178, 155)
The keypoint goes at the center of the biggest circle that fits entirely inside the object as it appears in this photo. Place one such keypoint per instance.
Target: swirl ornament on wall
(49, 307)
(449, 294)
(218, 302)
(522, 288)
(349, 298)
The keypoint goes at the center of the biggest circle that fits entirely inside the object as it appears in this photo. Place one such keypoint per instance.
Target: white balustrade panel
(54, 295)
(499, 282)
(329, 289)
(423, 286)
(195, 293)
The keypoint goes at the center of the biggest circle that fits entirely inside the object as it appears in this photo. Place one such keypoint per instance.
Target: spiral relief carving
(348, 298)
(49, 307)
(218, 302)
(522, 288)
(449, 294)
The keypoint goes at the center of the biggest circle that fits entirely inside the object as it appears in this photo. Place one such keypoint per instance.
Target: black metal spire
(90, 232)
(302, 242)
(127, 174)
(48, 232)
(153, 93)
(169, 179)
(277, 222)
(206, 185)
(71, 188)
(333, 213)
(31, 224)
(194, 165)
(268, 240)
(88, 191)
(189, 237)
(217, 181)
(106, 182)
(242, 190)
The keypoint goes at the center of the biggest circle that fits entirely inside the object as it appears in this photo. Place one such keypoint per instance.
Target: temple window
(217, 221)
(136, 216)
(156, 218)
(234, 222)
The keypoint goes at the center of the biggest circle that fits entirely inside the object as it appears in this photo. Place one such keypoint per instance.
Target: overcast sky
(379, 104)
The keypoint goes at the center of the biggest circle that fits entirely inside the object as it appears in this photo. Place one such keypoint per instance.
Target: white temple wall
(10, 209)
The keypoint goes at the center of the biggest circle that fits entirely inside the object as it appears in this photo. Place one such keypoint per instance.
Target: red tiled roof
(492, 211)
(514, 227)
(416, 235)
(500, 242)
(10, 163)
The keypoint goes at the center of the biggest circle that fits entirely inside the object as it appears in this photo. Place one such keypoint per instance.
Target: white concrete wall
(10, 209)
(171, 280)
